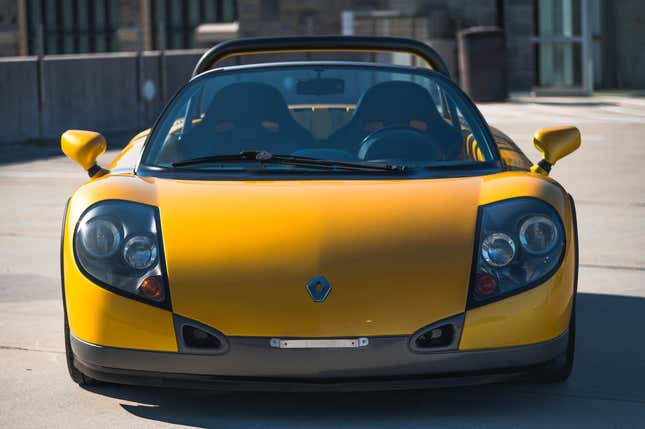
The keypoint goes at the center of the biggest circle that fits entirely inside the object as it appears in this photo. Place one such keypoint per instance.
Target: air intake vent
(440, 336)
(197, 338)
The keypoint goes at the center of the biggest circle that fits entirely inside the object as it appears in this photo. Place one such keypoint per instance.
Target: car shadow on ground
(607, 387)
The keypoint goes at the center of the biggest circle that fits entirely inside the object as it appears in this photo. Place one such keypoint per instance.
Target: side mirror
(554, 143)
(84, 147)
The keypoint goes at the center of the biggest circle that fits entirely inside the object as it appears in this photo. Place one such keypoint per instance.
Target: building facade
(48, 27)
(557, 46)
(552, 45)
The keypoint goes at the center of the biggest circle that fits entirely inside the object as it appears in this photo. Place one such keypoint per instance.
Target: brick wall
(452, 15)
(519, 25)
(466, 13)
(8, 28)
(297, 17)
(130, 20)
(628, 55)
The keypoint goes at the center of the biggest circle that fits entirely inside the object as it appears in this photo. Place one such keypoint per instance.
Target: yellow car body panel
(397, 252)
(370, 240)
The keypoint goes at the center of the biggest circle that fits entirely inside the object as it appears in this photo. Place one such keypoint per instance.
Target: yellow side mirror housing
(84, 147)
(555, 143)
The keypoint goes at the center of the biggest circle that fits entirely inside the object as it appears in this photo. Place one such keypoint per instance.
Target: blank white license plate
(319, 343)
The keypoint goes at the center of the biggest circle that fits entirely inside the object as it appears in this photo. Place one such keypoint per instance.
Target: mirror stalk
(96, 171)
(543, 167)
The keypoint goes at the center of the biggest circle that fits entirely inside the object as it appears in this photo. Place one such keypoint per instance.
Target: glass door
(563, 45)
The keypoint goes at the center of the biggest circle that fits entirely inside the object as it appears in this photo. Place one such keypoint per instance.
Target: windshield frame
(470, 112)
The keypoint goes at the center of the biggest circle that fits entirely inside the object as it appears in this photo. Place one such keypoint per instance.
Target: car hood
(396, 253)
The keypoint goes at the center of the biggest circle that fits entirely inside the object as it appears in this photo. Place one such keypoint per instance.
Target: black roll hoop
(236, 47)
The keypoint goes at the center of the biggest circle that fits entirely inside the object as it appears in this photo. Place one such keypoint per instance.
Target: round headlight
(140, 252)
(498, 249)
(100, 238)
(538, 235)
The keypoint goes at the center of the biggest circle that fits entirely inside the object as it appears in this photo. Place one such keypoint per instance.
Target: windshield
(346, 113)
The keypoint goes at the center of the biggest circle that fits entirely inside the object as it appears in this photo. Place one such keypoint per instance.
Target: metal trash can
(482, 63)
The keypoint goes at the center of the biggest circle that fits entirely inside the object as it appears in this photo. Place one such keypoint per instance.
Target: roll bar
(262, 45)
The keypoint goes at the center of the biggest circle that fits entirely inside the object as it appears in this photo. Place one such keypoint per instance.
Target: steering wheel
(401, 143)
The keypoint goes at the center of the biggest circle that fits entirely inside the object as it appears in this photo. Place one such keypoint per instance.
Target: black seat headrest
(396, 102)
(249, 103)
(246, 116)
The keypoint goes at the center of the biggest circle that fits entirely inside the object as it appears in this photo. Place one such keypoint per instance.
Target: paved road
(607, 388)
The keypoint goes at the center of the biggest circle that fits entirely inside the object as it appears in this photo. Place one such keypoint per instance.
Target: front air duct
(197, 338)
(440, 336)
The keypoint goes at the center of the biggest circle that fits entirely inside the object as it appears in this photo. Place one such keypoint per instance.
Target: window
(72, 26)
(567, 43)
(345, 113)
(174, 21)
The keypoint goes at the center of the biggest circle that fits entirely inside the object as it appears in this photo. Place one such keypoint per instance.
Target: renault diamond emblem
(318, 288)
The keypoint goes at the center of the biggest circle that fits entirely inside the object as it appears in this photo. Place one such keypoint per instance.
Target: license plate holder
(319, 343)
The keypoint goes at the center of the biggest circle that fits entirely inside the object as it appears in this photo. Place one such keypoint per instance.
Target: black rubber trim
(319, 43)
(166, 304)
(93, 170)
(471, 304)
(545, 165)
(182, 381)
(62, 263)
(574, 215)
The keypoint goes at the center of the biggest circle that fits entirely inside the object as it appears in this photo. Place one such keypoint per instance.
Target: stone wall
(19, 99)
(41, 98)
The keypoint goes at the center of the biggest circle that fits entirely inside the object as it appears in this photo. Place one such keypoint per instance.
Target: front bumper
(251, 364)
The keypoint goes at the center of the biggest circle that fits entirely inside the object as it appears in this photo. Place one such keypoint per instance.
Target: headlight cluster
(520, 244)
(117, 245)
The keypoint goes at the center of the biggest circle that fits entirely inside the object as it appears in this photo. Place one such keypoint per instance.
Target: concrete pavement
(606, 389)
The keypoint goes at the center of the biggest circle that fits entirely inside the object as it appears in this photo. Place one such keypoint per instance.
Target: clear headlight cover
(498, 249)
(117, 245)
(538, 235)
(100, 237)
(520, 244)
(140, 252)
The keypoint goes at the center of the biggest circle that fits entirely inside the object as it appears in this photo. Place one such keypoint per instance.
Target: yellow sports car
(319, 225)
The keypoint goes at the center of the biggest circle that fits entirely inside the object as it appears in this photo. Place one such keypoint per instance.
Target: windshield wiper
(299, 161)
